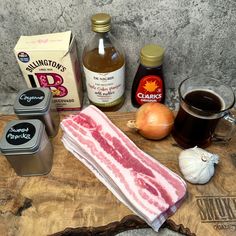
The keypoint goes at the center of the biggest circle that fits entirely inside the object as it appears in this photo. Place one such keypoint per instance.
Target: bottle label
(150, 89)
(103, 88)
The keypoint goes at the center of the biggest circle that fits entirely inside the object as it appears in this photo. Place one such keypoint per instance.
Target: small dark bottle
(148, 84)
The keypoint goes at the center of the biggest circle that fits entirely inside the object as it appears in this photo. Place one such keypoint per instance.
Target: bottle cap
(101, 22)
(152, 55)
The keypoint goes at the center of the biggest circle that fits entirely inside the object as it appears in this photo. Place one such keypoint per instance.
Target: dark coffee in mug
(196, 120)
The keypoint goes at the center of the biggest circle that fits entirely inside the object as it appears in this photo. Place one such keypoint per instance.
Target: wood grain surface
(71, 197)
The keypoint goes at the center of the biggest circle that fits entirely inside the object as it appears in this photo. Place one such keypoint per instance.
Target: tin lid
(33, 101)
(152, 55)
(101, 22)
(22, 136)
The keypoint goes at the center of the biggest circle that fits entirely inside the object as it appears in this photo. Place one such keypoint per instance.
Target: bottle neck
(151, 67)
(102, 34)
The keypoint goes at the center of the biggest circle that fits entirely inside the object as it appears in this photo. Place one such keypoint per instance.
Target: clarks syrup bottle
(148, 84)
(104, 66)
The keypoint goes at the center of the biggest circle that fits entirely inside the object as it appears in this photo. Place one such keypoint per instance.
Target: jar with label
(148, 84)
(104, 66)
(27, 147)
(37, 103)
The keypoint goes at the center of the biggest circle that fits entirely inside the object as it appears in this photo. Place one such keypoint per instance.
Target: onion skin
(154, 121)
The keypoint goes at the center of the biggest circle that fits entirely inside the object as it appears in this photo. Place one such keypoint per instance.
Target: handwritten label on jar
(31, 97)
(20, 133)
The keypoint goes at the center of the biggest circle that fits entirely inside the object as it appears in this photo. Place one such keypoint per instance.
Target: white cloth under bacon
(142, 183)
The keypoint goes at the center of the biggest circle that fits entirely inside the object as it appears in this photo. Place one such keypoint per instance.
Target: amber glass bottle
(104, 66)
(148, 84)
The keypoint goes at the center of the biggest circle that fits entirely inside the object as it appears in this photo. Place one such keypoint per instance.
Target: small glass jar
(37, 103)
(27, 148)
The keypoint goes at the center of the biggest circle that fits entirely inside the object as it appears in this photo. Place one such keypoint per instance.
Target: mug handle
(225, 127)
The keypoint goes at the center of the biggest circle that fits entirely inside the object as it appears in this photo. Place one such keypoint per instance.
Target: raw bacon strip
(147, 187)
(101, 158)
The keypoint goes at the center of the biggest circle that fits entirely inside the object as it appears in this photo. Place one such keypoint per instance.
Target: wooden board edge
(170, 224)
(129, 222)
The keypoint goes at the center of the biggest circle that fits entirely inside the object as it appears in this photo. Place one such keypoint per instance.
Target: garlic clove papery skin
(205, 175)
(197, 165)
(196, 174)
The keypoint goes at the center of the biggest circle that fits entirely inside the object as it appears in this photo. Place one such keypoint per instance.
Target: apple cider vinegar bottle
(104, 66)
(148, 84)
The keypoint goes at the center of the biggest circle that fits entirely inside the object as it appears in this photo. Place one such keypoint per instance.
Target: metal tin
(26, 146)
(37, 103)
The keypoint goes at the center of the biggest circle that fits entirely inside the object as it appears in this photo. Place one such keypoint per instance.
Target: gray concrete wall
(199, 36)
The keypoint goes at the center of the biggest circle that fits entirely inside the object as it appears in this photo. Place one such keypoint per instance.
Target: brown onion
(153, 121)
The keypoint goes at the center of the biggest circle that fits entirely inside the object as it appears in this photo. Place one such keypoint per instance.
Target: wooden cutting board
(70, 195)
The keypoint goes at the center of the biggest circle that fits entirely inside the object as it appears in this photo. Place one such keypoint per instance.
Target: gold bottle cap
(152, 55)
(101, 22)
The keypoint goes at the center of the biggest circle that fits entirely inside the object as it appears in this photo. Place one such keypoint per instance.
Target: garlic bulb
(197, 165)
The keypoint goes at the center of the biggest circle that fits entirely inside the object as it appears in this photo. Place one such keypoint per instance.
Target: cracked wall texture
(199, 36)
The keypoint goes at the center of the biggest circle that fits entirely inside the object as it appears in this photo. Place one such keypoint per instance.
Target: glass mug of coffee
(203, 113)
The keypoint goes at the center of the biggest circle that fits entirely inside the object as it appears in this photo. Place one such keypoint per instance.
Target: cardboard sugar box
(51, 60)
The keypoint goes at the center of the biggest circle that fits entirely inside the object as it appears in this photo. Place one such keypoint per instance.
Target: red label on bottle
(150, 89)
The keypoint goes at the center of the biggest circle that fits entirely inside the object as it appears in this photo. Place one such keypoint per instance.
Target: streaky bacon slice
(147, 187)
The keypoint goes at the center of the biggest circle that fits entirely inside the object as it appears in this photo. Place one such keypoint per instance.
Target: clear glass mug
(203, 114)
